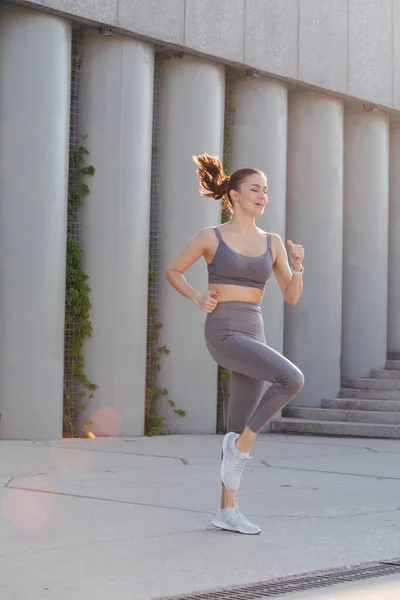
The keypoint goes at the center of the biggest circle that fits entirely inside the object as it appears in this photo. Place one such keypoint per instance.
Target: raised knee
(297, 381)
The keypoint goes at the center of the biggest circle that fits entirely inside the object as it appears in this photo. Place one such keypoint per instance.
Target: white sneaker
(233, 462)
(231, 519)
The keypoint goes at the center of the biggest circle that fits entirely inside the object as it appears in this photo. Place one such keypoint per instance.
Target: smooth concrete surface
(370, 52)
(216, 28)
(118, 122)
(393, 324)
(349, 47)
(272, 37)
(164, 20)
(192, 101)
(371, 384)
(396, 55)
(105, 11)
(365, 241)
(35, 63)
(340, 428)
(356, 416)
(130, 517)
(314, 218)
(259, 140)
(323, 43)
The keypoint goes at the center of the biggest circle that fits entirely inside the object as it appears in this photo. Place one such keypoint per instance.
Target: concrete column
(393, 342)
(35, 55)
(365, 241)
(117, 106)
(191, 122)
(312, 336)
(259, 135)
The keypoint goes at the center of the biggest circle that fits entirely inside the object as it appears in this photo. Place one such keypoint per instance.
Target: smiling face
(252, 195)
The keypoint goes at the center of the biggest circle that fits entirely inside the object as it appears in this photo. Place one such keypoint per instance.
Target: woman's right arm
(195, 248)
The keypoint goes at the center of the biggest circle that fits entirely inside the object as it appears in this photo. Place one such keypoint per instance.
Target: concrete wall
(191, 122)
(365, 241)
(115, 220)
(34, 128)
(346, 46)
(314, 218)
(393, 341)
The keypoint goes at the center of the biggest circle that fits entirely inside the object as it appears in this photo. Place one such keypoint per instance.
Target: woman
(240, 259)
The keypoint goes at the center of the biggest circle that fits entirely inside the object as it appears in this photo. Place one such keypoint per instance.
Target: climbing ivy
(77, 300)
(155, 423)
(231, 78)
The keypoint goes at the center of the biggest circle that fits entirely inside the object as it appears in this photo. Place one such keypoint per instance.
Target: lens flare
(29, 510)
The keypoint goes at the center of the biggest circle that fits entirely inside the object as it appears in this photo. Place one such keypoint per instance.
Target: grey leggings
(234, 334)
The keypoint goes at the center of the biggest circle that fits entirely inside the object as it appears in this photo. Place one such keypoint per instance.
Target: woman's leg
(245, 394)
(235, 339)
(258, 361)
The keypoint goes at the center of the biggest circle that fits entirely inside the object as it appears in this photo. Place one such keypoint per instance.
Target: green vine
(77, 300)
(231, 78)
(155, 423)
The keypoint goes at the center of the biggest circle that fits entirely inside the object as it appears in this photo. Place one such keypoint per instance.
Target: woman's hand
(208, 301)
(296, 255)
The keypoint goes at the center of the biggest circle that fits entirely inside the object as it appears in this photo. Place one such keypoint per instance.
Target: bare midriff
(236, 293)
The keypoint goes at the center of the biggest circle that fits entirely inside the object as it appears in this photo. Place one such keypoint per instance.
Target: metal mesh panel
(223, 391)
(72, 384)
(76, 67)
(154, 238)
(154, 241)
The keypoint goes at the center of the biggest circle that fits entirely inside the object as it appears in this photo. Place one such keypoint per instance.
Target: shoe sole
(224, 444)
(226, 527)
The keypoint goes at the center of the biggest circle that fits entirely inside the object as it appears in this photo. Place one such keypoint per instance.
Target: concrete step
(371, 384)
(385, 374)
(393, 355)
(360, 404)
(348, 416)
(336, 428)
(392, 364)
(370, 394)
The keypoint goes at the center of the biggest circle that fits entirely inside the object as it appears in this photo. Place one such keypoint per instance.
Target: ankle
(242, 447)
(225, 505)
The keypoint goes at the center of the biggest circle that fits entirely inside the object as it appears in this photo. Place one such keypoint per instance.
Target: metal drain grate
(286, 585)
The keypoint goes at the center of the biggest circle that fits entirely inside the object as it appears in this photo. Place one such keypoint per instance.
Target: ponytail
(213, 180)
(214, 183)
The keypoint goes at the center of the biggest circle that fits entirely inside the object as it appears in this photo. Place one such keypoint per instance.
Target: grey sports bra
(230, 267)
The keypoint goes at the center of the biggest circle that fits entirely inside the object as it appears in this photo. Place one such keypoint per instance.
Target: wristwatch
(298, 272)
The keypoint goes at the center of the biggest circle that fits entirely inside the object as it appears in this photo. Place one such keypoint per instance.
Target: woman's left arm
(291, 285)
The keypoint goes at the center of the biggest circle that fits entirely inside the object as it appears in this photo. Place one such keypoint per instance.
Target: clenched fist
(296, 255)
(208, 301)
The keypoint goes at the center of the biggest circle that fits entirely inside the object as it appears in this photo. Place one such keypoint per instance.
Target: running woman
(240, 259)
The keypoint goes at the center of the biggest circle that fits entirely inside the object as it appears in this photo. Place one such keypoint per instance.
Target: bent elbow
(169, 273)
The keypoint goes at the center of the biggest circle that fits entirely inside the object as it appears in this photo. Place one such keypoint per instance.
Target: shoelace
(240, 463)
(241, 515)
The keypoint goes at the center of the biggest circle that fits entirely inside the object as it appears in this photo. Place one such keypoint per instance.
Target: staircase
(365, 408)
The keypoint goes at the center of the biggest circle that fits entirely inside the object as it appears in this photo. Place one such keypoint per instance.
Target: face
(252, 196)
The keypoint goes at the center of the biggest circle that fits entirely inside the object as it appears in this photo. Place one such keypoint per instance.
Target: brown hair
(214, 183)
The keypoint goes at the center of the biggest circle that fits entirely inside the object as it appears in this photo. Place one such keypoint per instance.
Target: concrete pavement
(129, 518)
